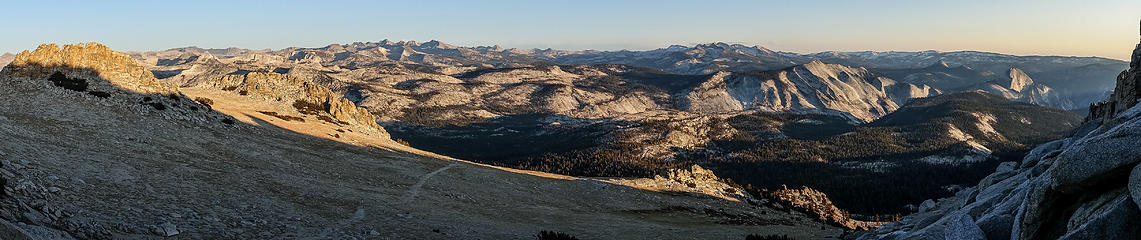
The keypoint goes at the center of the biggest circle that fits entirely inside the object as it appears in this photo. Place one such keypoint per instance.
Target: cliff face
(306, 96)
(1126, 93)
(1019, 80)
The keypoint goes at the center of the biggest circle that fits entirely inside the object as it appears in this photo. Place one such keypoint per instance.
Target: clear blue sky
(1107, 28)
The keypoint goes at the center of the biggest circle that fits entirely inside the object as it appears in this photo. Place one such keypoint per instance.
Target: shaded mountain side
(950, 123)
(97, 167)
(990, 120)
(1086, 186)
(957, 137)
(768, 150)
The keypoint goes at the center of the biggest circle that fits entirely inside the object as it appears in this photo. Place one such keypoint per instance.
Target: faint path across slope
(415, 190)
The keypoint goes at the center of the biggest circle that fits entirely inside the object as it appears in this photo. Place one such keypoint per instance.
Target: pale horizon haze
(1103, 28)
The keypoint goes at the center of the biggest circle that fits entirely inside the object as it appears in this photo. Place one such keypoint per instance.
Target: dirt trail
(423, 179)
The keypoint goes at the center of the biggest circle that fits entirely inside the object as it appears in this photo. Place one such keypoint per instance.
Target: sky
(1104, 28)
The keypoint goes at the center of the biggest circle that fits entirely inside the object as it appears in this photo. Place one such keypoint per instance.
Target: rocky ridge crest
(88, 60)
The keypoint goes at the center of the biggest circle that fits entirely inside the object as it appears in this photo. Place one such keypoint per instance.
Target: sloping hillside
(117, 165)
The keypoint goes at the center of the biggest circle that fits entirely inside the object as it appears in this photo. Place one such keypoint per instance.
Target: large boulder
(1090, 160)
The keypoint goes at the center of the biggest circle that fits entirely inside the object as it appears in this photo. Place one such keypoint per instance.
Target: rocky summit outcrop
(305, 96)
(1083, 187)
(88, 61)
(94, 74)
(816, 203)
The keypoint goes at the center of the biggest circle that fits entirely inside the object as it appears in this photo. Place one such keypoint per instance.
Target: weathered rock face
(306, 96)
(88, 61)
(1083, 187)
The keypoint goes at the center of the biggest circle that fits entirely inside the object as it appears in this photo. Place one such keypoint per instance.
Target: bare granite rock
(306, 96)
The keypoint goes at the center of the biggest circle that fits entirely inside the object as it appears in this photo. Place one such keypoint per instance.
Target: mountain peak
(1019, 80)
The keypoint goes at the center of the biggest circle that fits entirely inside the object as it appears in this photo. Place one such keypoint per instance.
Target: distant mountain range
(1063, 82)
